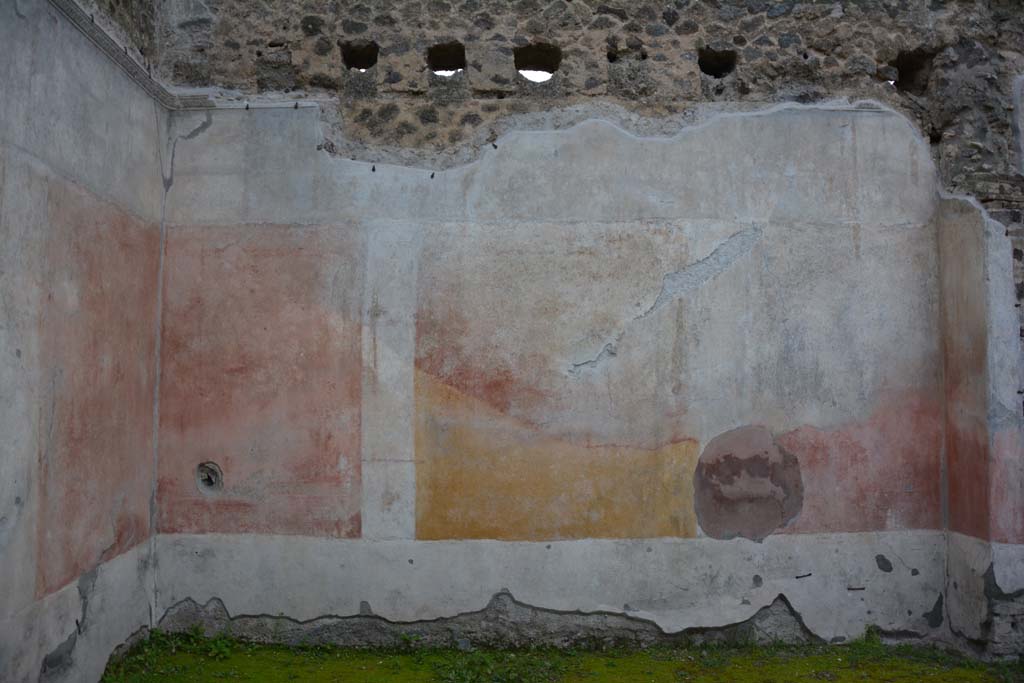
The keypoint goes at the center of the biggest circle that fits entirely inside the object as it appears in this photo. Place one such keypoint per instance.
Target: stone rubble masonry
(953, 65)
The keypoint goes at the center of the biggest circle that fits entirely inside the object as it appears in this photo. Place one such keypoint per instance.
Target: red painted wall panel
(97, 329)
(261, 374)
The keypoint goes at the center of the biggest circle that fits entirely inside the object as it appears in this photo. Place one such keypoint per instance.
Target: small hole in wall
(915, 70)
(716, 63)
(537, 62)
(359, 55)
(209, 478)
(447, 59)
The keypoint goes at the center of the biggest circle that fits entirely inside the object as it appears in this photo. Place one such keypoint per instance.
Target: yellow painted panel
(483, 474)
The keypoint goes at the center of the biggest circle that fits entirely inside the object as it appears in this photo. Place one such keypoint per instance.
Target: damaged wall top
(948, 66)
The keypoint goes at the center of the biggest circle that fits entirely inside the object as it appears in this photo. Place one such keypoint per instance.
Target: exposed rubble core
(504, 622)
(950, 66)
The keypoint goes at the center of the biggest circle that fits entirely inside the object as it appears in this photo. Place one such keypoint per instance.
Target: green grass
(191, 657)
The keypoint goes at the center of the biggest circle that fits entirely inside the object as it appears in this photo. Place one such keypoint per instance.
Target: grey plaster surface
(67, 115)
(831, 580)
(68, 635)
(262, 165)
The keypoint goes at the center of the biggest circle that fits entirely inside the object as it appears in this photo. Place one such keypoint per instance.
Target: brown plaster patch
(745, 485)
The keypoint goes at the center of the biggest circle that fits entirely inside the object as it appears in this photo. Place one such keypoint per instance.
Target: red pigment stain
(968, 473)
(441, 354)
(262, 354)
(965, 343)
(97, 330)
(967, 447)
(1007, 491)
(875, 475)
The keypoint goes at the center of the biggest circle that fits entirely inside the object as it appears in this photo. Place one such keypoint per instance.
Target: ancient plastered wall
(949, 66)
(985, 500)
(488, 329)
(552, 345)
(80, 198)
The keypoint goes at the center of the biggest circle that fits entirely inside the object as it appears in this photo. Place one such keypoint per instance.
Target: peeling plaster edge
(553, 121)
(670, 618)
(999, 554)
(307, 130)
(608, 113)
(218, 603)
(652, 630)
(744, 630)
(1008, 559)
(214, 616)
(69, 634)
(215, 601)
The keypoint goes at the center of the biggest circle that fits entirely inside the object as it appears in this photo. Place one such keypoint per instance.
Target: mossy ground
(191, 657)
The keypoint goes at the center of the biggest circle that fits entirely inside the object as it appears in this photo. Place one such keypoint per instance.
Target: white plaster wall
(67, 114)
(262, 166)
(856, 209)
(677, 584)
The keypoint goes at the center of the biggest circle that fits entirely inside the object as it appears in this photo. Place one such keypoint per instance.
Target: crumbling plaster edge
(639, 618)
(70, 633)
(788, 576)
(609, 116)
(628, 124)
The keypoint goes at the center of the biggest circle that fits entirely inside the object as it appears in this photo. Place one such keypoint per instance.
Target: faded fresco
(568, 376)
(261, 375)
(97, 334)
